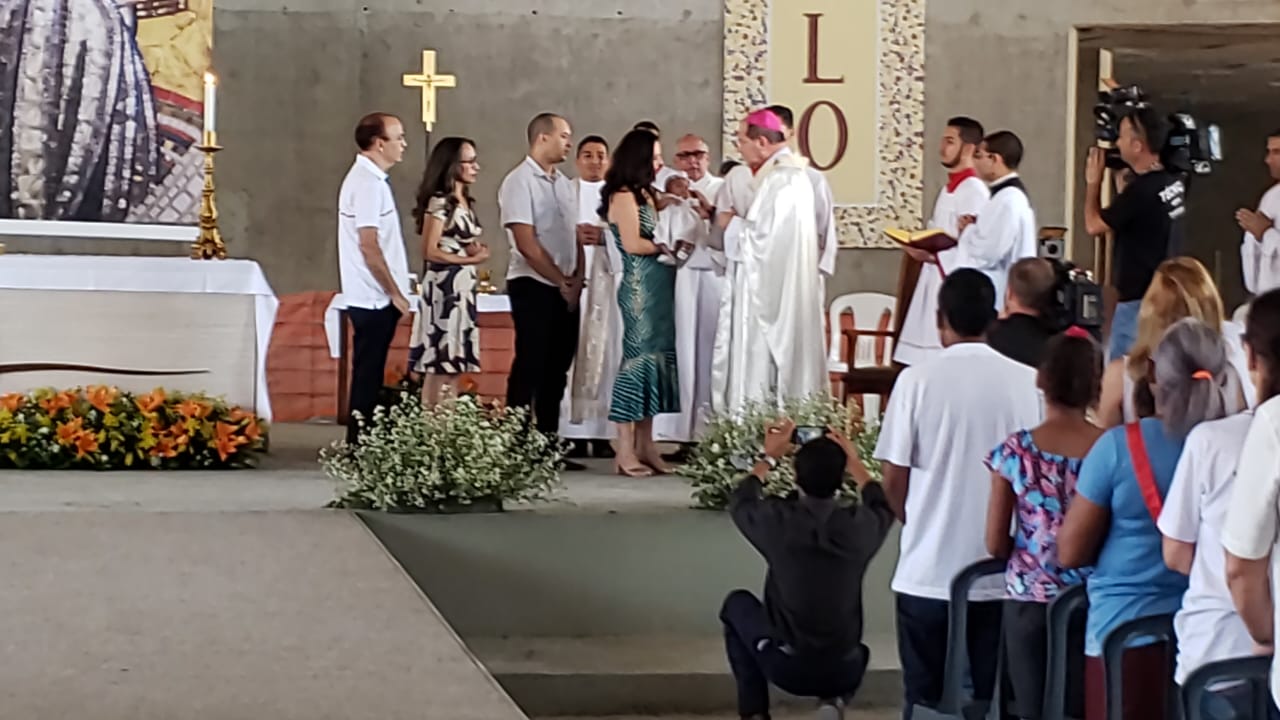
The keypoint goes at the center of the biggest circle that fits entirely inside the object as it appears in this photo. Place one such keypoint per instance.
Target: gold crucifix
(428, 80)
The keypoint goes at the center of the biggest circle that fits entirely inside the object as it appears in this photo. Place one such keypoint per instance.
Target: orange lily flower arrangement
(103, 427)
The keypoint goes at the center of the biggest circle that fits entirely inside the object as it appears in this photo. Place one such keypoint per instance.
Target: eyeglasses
(472, 161)
(692, 154)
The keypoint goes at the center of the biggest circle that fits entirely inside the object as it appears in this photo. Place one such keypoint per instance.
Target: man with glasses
(373, 267)
(699, 283)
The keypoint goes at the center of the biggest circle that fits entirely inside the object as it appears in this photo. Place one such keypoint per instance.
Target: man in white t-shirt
(545, 275)
(1251, 529)
(1260, 250)
(944, 415)
(372, 264)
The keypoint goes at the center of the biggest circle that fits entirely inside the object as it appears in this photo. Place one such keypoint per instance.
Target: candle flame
(210, 79)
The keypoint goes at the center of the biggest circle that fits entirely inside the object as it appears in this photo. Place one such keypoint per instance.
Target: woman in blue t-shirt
(1112, 522)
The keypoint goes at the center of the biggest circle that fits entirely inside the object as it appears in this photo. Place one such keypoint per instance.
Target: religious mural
(853, 73)
(100, 109)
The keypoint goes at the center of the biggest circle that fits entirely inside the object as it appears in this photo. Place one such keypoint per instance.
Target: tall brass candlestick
(209, 246)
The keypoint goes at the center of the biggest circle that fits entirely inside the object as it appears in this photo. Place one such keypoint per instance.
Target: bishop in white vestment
(770, 341)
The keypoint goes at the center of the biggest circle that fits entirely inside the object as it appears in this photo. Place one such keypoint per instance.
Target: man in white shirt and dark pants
(1260, 251)
(944, 416)
(372, 264)
(545, 274)
(1004, 231)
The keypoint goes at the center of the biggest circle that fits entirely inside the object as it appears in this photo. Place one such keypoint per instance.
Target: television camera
(1191, 147)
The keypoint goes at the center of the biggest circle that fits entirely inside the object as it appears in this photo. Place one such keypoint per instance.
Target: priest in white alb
(699, 282)
(1004, 230)
(964, 194)
(584, 412)
(770, 343)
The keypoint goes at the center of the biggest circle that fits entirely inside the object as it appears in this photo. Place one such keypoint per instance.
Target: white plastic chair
(872, 313)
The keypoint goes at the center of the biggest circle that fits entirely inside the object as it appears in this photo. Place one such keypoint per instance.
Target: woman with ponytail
(1120, 496)
(1033, 480)
(1250, 529)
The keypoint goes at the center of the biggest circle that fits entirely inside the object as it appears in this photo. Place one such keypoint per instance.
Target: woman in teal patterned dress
(647, 383)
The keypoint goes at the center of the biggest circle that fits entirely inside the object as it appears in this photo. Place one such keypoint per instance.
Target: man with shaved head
(545, 274)
(1024, 327)
(698, 286)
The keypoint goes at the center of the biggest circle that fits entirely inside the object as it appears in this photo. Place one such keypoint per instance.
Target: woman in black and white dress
(451, 249)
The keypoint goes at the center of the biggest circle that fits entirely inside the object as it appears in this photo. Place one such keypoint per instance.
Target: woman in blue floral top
(1033, 475)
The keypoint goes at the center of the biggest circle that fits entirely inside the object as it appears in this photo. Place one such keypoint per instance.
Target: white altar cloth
(71, 276)
(485, 303)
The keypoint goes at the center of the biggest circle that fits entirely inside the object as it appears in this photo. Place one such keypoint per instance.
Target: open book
(932, 240)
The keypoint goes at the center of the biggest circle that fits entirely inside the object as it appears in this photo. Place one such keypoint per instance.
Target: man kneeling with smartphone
(807, 636)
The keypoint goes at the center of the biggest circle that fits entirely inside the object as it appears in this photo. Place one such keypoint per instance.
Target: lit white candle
(210, 99)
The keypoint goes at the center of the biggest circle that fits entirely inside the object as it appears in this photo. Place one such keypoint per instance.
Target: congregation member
(1251, 529)
(1120, 493)
(1180, 288)
(647, 383)
(699, 285)
(451, 249)
(1004, 230)
(545, 274)
(943, 417)
(1193, 521)
(1260, 250)
(1033, 478)
(372, 264)
(584, 415)
(770, 343)
(964, 194)
(806, 638)
(1023, 330)
(1145, 217)
(1033, 481)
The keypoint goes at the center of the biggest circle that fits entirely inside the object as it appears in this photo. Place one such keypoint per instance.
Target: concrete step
(655, 675)
(854, 714)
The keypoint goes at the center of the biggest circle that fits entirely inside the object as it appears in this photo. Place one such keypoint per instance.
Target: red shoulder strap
(1142, 468)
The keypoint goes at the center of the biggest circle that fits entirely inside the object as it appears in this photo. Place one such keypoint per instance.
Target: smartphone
(807, 433)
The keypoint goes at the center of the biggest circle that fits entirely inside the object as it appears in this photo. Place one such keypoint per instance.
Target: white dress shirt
(546, 200)
(365, 201)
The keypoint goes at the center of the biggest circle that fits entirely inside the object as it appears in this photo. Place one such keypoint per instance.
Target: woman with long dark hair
(647, 383)
(446, 220)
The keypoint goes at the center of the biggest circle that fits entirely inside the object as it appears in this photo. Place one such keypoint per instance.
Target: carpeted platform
(222, 616)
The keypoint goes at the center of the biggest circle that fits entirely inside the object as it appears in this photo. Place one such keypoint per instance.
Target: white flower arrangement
(457, 455)
(740, 435)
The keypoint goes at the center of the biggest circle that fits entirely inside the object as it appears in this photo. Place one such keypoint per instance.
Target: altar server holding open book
(964, 194)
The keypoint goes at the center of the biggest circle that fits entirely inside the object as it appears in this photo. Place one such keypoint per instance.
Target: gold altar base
(209, 246)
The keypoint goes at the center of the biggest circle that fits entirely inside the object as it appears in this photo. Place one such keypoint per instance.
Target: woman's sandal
(634, 471)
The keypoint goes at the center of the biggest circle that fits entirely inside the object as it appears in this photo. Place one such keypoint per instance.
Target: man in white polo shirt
(545, 276)
(945, 414)
(372, 265)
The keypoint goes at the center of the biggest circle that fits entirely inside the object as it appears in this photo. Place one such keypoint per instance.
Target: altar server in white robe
(1260, 251)
(584, 413)
(698, 293)
(769, 341)
(964, 194)
(1004, 231)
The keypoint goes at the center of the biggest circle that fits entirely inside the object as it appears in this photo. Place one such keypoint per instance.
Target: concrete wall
(1007, 64)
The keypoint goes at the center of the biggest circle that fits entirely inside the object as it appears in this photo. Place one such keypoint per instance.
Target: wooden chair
(865, 342)
(879, 380)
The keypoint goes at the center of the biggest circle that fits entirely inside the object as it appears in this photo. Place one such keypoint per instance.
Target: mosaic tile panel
(900, 181)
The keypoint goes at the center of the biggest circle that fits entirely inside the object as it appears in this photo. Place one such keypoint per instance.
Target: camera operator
(1024, 327)
(807, 636)
(1145, 216)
